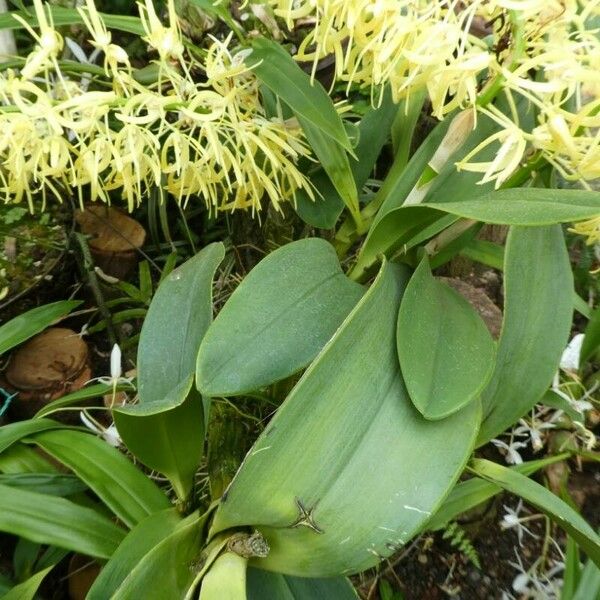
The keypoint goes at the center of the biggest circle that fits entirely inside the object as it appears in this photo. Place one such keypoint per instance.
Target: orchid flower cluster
(465, 53)
(210, 138)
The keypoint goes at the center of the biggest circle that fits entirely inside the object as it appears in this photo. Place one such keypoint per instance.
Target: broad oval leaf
(446, 352)
(26, 325)
(117, 482)
(525, 206)
(534, 493)
(58, 522)
(277, 320)
(347, 471)
(139, 541)
(169, 409)
(538, 308)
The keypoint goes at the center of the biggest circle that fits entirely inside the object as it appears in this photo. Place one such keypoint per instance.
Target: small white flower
(512, 520)
(569, 360)
(115, 363)
(109, 434)
(510, 451)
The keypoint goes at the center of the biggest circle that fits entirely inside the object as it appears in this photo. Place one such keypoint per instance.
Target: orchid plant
(384, 381)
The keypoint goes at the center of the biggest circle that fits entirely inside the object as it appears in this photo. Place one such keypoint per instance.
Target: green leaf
(277, 320)
(170, 442)
(28, 589)
(486, 253)
(10, 434)
(226, 578)
(89, 392)
(275, 586)
(591, 339)
(135, 546)
(309, 483)
(50, 520)
(532, 492)
(589, 584)
(374, 130)
(525, 206)
(446, 351)
(538, 308)
(473, 492)
(23, 459)
(54, 484)
(167, 570)
(177, 320)
(129, 493)
(335, 163)
(68, 16)
(169, 409)
(309, 100)
(26, 325)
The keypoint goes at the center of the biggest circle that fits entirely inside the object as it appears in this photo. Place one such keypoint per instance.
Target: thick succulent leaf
(534, 493)
(277, 320)
(139, 541)
(26, 325)
(274, 586)
(226, 578)
(169, 408)
(347, 471)
(167, 570)
(446, 352)
(538, 308)
(116, 481)
(526, 206)
(50, 520)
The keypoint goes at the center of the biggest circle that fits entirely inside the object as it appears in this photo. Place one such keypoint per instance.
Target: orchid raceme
(211, 139)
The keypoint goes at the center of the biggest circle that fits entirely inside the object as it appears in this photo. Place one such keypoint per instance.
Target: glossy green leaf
(26, 325)
(277, 320)
(28, 589)
(20, 458)
(486, 253)
(226, 578)
(309, 100)
(50, 520)
(526, 206)
(129, 493)
(538, 308)
(12, 433)
(473, 492)
(589, 584)
(311, 483)
(536, 494)
(137, 544)
(274, 586)
(69, 16)
(591, 339)
(445, 349)
(55, 484)
(167, 570)
(169, 409)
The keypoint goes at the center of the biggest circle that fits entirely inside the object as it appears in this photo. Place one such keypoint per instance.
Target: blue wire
(7, 400)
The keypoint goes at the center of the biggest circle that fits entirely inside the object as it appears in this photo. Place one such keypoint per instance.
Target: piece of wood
(113, 238)
(48, 366)
(83, 571)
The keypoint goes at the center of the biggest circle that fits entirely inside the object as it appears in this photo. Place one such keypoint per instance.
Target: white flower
(109, 434)
(512, 520)
(569, 360)
(511, 454)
